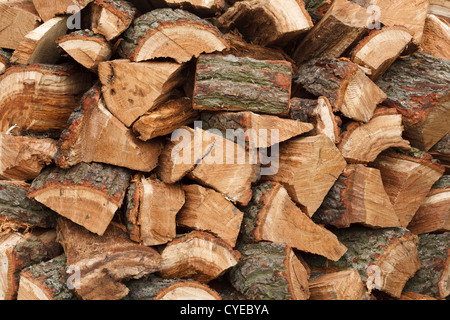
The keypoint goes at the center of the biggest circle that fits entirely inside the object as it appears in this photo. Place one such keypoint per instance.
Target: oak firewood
(433, 277)
(199, 256)
(358, 196)
(316, 158)
(436, 37)
(273, 216)
(345, 85)
(5, 60)
(161, 33)
(88, 194)
(407, 180)
(95, 135)
(433, 213)
(200, 7)
(23, 157)
(267, 22)
(40, 98)
(229, 83)
(149, 221)
(417, 86)
(104, 261)
(440, 8)
(8, 240)
(86, 47)
(441, 151)
(17, 19)
(208, 210)
(131, 89)
(362, 143)
(270, 271)
(49, 9)
(341, 285)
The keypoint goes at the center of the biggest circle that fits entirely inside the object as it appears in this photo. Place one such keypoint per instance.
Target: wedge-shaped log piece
(363, 142)
(87, 194)
(436, 37)
(440, 8)
(200, 7)
(208, 210)
(149, 221)
(341, 285)
(131, 89)
(104, 261)
(267, 22)
(273, 216)
(358, 196)
(270, 271)
(308, 168)
(441, 151)
(95, 135)
(229, 83)
(199, 256)
(380, 49)
(5, 60)
(417, 86)
(345, 85)
(49, 9)
(167, 33)
(40, 98)
(407, 180)
(86, 47)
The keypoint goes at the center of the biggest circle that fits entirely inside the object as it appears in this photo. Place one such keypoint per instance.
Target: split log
(45, 281)
(208, 210)
(162, 32)
(254, 130)
(111, 18)
(49, 9)
(86, 47)
(131, 89)
(362, 143)
(199, 256)
(358, 196)
(273, 216)
(317, 9)
(5, 60)
(417, 86)
(149, 221)
(440, 8)
(23, 157)
(88, 194)
(95, 135)
(29, 250)
(407, 180)
(11, 32)
(200, 7)
(103, 262)
(267, 22)
(341, 285)
(380, 49)
(441, 151)
(436, 37)
(433, 278)
(345, 85)
(319, 113)
(40, 98)
(270, 271)
(433, 214)
(156, 288)
(229, 83)
(316, 158)
(415, 296)
(342, 26)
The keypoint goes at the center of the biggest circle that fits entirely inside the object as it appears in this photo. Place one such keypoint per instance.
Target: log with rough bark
(358, 196)
(95, 135)
(167, 33)
(49, 9)
(345, 85)
(88, 194)
(417, 86)
(441, 151)
(317, 9)
(407, 179)
(149, 221)
(229, 83)
(436, 37)
(200, 7)
(270, 271)
(433, 278)
(273, 216)
(40, 98)
(5, 60)
(131, 89)
(308, 167)
(267, 22)
(199, 256)
(104, 262)
(208, 210)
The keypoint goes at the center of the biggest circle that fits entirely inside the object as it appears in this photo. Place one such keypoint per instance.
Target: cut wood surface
(5, 60)
(441, 151)
(48, 9)
(436, 37)
(440, 8)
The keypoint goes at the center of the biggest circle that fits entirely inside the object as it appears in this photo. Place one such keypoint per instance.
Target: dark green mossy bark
(317, 9)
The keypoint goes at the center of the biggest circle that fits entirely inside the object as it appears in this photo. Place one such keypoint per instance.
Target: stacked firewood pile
(253, 149)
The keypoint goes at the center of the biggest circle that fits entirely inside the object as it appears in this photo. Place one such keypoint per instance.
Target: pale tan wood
(415, 296)
(440, 8)
(436, 37)
(49, 9)
(8, 240)
(201, 7)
